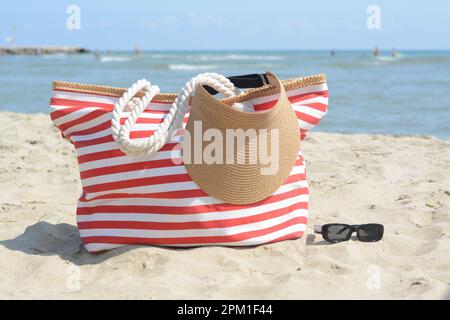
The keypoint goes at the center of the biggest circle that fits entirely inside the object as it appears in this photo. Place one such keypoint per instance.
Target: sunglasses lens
(370, 232)
(338, 232)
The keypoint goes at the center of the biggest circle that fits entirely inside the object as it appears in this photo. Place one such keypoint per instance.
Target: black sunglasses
(338, 232)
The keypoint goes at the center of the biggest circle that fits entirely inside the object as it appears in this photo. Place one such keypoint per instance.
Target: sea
(403, 95)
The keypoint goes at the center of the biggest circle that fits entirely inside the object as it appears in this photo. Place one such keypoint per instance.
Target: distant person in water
(376, 51)
(137, 51)
(333, 52)
(97, 54)
(394, 53)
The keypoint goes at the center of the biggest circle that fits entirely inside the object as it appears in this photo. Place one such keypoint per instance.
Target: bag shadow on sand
(63, 240)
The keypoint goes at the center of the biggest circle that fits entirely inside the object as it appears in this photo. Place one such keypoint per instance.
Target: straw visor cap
(257, 152)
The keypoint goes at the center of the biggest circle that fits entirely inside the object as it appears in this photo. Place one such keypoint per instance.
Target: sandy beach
(401, 182)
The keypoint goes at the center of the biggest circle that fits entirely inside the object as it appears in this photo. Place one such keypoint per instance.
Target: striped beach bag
(136, 191)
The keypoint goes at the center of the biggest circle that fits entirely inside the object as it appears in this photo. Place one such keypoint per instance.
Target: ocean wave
(178, 67)
(389, 58)
(55, 56)
(114, 59)
(234, 57)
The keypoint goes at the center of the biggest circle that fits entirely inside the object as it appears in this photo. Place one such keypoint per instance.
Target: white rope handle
(173, 120)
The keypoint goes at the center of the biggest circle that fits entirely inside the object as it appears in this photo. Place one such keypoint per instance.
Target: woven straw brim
(243, 182)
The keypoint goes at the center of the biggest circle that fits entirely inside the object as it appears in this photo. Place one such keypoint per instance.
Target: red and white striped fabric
(150, 200)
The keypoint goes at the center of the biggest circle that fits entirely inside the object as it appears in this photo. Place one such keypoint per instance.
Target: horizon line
(216, 49)
(93, 50)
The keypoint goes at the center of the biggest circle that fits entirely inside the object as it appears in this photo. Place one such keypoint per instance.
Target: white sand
(402, 182)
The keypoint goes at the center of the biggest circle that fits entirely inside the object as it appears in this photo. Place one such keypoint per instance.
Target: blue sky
(231, 24)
